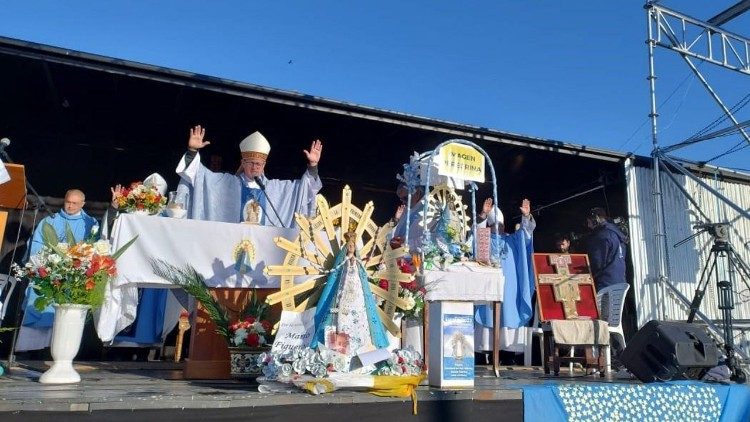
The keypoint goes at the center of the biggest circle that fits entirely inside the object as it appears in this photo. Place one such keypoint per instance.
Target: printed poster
(461, 162)
(458, 347)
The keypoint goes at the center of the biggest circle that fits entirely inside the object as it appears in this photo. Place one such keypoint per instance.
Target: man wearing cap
(606, 246)
(225, 197)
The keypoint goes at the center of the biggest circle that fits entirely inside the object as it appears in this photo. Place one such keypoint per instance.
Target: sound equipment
(663, 351)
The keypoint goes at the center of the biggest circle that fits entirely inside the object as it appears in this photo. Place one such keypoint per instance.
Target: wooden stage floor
(157, 391)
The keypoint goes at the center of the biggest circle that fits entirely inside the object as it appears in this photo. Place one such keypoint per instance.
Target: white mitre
(156, 181)
(255, 146)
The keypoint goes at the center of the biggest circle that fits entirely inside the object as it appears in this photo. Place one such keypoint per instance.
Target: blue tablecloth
(669, 401)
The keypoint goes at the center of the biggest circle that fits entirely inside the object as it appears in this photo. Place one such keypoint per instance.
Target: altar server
(231, 197)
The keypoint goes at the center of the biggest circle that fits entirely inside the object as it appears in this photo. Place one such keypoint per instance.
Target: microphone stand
(22, 286)
(263, 189)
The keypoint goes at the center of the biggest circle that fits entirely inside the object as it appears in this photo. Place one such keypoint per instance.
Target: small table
(467, 282)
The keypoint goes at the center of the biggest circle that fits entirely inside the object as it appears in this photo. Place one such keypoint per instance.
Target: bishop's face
(253, 167)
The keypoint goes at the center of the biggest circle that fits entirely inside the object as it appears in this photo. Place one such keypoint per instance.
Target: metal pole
(659, 237)
(705, 185)
(716, 97)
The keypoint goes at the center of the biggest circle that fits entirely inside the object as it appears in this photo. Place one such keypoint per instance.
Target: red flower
(90, 283)
(266, 325)
(253, 340)
(404, 266)
(250, 320)
(43, 272)
(383, 283)
(57, 283)
(76, 263)
(412, 285)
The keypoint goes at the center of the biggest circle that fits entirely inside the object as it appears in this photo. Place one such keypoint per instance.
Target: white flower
(101, 247)
(409, 302)
(95, 229)
(258, 327)
(239, 336)
(54, 259)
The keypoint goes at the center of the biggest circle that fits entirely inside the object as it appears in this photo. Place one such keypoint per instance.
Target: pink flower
(43, 272)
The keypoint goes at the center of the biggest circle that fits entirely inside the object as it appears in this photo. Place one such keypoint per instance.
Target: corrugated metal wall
(654, 300)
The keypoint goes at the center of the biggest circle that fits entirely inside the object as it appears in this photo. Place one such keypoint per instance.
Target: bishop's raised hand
(314, 153)
(195, 141)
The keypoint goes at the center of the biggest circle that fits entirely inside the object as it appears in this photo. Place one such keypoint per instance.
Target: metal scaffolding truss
(693, 40)
(702, 40)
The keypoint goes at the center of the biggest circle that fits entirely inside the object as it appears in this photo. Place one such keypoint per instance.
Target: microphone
(260, 183)
(257, 179)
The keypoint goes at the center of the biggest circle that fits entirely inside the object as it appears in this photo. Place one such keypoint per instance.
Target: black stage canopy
(87, 121)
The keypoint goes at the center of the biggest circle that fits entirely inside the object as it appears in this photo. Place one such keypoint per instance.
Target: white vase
(412, 334)
(67, 331)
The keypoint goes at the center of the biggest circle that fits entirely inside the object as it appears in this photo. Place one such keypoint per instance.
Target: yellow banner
(462, 162)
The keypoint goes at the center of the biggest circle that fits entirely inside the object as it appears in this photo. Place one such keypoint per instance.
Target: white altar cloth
(207, 246)
(465, 282)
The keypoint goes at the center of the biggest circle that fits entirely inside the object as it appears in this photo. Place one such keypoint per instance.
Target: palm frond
(195, 285)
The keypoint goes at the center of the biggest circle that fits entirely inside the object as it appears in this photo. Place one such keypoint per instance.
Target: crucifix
(564, 284)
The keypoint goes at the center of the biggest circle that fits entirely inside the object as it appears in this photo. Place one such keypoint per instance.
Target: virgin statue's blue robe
(81, 225)
(222, 196)
(323, 315)
(514, 252)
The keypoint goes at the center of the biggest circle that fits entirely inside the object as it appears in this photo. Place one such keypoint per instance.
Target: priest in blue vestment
(233, 198)
(513, 253)
(82, 226)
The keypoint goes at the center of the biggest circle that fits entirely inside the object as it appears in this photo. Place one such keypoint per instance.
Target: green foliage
(76, 273)
(195, 285)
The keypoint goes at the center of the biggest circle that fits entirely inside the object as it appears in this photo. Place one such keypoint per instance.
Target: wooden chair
(569, 313)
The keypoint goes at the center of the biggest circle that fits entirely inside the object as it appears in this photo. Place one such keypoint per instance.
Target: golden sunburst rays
(311, 255)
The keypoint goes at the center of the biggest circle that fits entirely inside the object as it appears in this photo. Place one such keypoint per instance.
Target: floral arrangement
(447, 246)
(70, 272)
(410, 291)
(249, 332)
(251, 329)
(139, 197)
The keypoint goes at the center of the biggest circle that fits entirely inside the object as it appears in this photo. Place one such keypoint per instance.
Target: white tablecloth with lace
(207, 246)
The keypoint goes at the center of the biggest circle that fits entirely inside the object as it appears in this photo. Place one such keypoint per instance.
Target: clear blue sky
(573, 71)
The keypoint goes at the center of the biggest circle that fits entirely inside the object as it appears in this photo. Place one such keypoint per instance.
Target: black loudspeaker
(663, 351)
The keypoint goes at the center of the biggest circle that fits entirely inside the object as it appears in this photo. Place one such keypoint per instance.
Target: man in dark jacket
(606, 249)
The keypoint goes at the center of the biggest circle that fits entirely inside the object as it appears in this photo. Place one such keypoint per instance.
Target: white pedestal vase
(67, 331)
(412, 334)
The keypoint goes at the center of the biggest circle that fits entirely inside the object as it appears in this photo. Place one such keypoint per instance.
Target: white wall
(653, 299)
